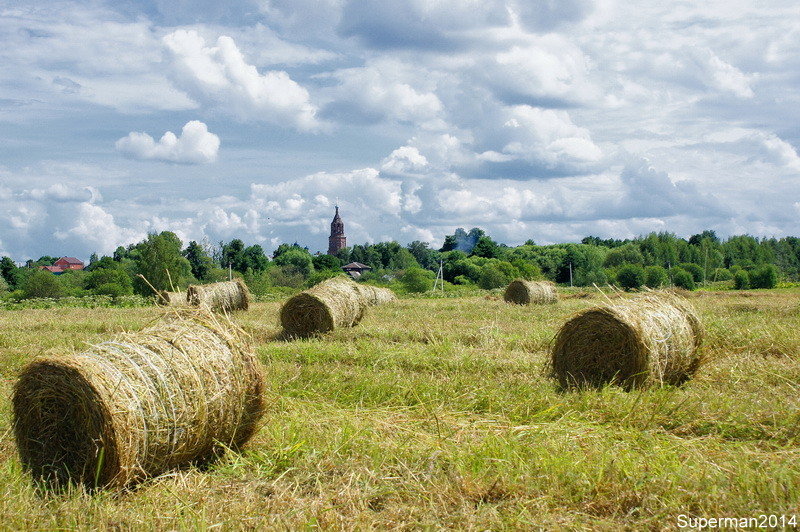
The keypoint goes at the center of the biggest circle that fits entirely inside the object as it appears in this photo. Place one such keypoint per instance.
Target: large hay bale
(376, 295)
(224, 296)
(331, 304)
(182, 390)
(524, 292)
(171, 299)
(652, 339)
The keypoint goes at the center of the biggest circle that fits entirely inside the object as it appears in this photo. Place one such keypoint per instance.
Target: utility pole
(230, 272)
(439, 277)
(570, 274)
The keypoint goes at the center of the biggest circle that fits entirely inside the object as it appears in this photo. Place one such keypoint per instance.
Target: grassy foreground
(437, 413)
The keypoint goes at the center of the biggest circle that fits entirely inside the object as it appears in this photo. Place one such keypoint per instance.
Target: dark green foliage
(682, 279)
(102, 263)
(630, 276)
(721, 274)
(322, 275)
(10, 272)
(627, 254)
(695, 270)
(98, 280)
(765, 276)
(655, 277)
(426, 257)
(741, 280)
(417, 280)
(327, 262)
(159, 260)
(199, 260)
(496, 275)
(486, 247)
(297, 259)
(41, 283)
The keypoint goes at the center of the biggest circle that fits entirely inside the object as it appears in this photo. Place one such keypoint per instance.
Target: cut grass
(437, 413)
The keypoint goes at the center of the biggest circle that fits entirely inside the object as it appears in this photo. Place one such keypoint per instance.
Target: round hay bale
(376, 295)
(171, 299)
(180, 391)
(652, 339)
(524, 292)
(331, 304)
(224, 296)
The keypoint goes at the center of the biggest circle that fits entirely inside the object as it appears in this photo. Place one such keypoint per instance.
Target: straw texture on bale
(171, 299)
(180, 391)
(524, 292)
(224, 296)
(376, 295)
(331, 304)
(652, 339)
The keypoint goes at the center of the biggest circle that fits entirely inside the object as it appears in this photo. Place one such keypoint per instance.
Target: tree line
(467, 258)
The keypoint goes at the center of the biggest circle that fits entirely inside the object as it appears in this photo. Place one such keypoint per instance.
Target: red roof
(69, 260)
(53, 269)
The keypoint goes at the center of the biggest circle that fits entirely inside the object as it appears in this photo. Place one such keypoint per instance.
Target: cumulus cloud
(220, 75)
(94, 228)
(195, 145)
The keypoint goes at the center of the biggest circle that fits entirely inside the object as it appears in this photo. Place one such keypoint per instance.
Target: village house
(63, 264)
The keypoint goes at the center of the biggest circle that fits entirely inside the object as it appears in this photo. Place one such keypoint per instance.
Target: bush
(630, 276)
(655, 277)
(765, 276)
(682, 279)
(741, 280)
(492, 276)
(42, 283)
(112, 289)
(3, 285)
(318, 277)
(694, 269)
(722, 274)
(417, 280)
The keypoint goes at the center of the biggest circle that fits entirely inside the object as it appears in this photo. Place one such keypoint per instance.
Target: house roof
(356, 266)
(70, 260)
(53, 269)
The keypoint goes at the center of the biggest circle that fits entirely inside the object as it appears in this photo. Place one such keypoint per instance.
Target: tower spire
(337, 240)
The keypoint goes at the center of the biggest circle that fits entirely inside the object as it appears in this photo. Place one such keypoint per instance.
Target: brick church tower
(337, 240)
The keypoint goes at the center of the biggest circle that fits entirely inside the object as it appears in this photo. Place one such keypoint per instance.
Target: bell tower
(337, 240)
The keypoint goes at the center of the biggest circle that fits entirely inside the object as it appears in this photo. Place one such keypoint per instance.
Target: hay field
(436, 413)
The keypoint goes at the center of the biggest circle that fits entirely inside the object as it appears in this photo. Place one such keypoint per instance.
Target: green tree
(3, 285)
(765, 276)
(741, 280)
(486, 247)
(298, 260)
(655, 277)
(417, 280)
(10, 272)
(694, 269)
(233, 255)
(327, 263)
(199, 261)
(682, 279)
(253, 258)
(159, 260)
(426, 257)
(98, 282)
(630, 276)
(493, 275)
(41, 283)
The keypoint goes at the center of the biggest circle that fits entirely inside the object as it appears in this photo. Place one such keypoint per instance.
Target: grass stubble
(438, 413)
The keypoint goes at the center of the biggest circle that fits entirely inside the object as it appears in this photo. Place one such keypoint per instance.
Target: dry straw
(524, 292)
(652, 339)
(335, 303)
(171, 299)
(181, 391)
(375, 295)
(224, 296)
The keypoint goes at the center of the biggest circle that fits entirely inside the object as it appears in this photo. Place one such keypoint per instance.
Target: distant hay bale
(376, 295)
(171, 299)
(331, 304)
(524, 292)
(180, 391)
(224, 296)
(652, 339)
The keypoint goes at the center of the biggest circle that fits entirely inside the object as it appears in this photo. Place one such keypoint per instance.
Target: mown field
(437, 413)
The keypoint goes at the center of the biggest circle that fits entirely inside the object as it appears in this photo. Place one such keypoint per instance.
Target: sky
(544, 120)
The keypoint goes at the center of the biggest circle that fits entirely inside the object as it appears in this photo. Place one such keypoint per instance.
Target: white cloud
(220, 75)
(95, 228)
(196, 145)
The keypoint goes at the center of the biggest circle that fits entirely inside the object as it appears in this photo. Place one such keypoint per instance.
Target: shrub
(722, 274)
(765, 276)
(112, 289)
(492, 276)
(682, 279)
(741, 280)
(318, 277)
(695, 270)
(417, 280)
(630, 276)
(42, 283)
(3, 285)
(655, 277)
